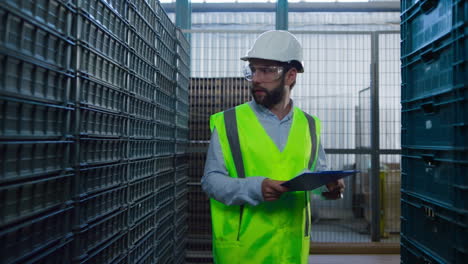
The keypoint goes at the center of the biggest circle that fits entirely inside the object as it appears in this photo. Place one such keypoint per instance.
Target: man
(254, 148)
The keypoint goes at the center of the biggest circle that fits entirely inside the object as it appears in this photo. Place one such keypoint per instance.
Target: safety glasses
(263, 73)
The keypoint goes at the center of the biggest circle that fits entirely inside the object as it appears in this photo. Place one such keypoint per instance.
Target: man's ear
(290, 77)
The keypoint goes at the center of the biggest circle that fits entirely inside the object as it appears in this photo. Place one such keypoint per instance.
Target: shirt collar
(260, 109)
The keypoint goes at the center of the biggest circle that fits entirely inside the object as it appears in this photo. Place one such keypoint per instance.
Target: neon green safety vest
(271, 232)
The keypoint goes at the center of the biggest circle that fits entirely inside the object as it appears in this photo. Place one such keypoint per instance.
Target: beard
(270, 98)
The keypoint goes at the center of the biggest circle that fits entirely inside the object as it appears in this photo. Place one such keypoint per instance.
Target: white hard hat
(277, 45)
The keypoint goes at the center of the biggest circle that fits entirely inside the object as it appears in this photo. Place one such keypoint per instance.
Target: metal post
(183, 14)
(375, 141)
(282, 15)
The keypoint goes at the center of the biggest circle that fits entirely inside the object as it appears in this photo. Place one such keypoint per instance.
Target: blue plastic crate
(428, 21)
(27, 39)
(99, 95)
(97, 123)
(96, 179)
(411, 253)
(95, 36)
(26, 239)
(101, 151)
(101, 68)
(22, 119)
(26, 159)
(92, 236)
(142, 88)
(436, 229)
(437, 122)
(141, 229)
(436, 175)
(26, 199)
(36, 81)
(103, 13)
(143, 251)
(98, 206)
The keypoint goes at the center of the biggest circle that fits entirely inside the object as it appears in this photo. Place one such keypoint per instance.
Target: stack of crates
(434, 50)
(181, 174)
(36, 137)
(88, 133)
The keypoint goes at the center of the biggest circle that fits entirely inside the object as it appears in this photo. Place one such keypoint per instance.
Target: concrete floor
(361, 259)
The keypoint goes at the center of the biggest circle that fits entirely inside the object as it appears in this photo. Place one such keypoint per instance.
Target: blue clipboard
(312, 180)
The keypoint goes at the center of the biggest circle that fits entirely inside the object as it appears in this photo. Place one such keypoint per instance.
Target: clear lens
(263, 73)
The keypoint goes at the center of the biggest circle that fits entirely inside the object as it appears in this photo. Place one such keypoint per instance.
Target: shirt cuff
(254, 189)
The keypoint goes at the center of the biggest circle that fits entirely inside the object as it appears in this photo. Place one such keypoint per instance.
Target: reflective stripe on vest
(271, 232)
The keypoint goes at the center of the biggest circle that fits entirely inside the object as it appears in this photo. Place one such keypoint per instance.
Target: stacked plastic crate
(102, 130)
(434, 200)
(36, 137)
(181, 174)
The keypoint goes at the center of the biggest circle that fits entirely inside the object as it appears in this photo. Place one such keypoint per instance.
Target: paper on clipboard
(312, 180)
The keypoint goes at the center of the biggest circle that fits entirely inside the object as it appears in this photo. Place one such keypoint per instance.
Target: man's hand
(272, 190)
(335, 190)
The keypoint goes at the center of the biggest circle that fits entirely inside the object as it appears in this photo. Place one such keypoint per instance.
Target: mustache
(256, 88)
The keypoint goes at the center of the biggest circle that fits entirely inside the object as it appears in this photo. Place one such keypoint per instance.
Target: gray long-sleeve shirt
(216, 181)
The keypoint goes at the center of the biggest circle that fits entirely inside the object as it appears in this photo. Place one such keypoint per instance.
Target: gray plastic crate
(183, 43)
(182, 69)
(411, 253)
(117, 6)
(28, 39)
(93, 35)
(140, 169)
(164, 147)
(164, 99)
(142, 68)
(183, 58)
(181, 201)
(141, 149)
(182, 134)
(26, 199)
(142, 88)
(145, 11)
(92, 236)
(141, 108)
(96, 179)
(150, 257)
(181, 186)
(92, 208)
(166, 68)
(101, 151)
(165, 84)
(181, 147)
(101, 68)
(181, 121)
(165, 229)
(141, 209)
(53, 14)
(181, 172)
(24, 159)
(21, 119)
(165, 115)
(110, 253)
(96, 123)
(143, 250)
(140, 189)
(32, 80)
(141, 129)
(166, 53)
(164, 180)
(22, 241)
(56, 254)
(182, 108)
(423, 221)
(140, 25)
(166, 194)
(141, 229)
(164, 131)
(164, 163)
(102, 13)
(183, 82)
(166, 21)
(182, 95)
(100, 95)
(166, 255)
(144, 49)
(165, 209)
